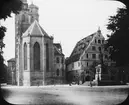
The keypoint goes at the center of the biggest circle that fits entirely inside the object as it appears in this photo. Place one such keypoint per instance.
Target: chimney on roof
(99, 31)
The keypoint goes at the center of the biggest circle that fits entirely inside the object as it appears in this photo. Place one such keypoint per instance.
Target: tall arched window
(25, 56)
(36, 56)
(47, 57)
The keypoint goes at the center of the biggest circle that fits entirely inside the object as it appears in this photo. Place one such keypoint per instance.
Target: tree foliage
(6, 8)
(9, 6)
(118, 41)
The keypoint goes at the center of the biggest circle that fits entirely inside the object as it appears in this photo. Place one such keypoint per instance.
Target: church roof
(80, 47)
(35, 30)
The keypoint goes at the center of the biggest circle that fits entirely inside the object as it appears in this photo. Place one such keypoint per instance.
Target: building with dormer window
(87, 51)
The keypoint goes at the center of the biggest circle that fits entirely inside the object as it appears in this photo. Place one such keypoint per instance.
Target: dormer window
(94, 56)
(95, 41)
(99, 41)
(86, 55)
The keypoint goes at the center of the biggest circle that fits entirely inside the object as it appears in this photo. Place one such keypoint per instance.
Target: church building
(34, 50)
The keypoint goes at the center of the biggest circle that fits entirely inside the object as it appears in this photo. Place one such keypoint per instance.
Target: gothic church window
(47, 57)
(36, 56)
(25, 56)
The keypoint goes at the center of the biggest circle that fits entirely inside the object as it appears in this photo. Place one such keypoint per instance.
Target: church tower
(23, 20)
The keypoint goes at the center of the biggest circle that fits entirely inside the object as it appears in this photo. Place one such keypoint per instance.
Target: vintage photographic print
(64, 52)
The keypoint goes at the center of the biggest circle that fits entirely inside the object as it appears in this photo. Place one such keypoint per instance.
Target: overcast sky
(67, 20)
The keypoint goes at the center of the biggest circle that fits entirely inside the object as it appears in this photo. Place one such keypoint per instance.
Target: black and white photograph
(64, 52)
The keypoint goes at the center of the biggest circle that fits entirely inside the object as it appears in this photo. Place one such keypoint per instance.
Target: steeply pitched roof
(57, 51)
(80, 47)
(11, 60)
(35, 30)
(58, 45)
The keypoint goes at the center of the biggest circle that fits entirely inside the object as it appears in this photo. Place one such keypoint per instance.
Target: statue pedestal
(100, 77)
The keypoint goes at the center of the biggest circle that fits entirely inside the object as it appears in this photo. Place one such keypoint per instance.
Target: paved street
(66, 95)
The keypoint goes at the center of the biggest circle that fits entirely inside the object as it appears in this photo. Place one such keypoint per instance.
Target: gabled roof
(58, 45)
(35, 30)
(57, 51)
(80, 47)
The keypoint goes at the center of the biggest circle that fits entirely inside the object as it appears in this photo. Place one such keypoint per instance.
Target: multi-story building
(87, 52)
(59, 64)
(34, 50)
(11, 72)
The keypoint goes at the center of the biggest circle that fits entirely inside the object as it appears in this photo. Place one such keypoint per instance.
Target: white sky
(68, 20)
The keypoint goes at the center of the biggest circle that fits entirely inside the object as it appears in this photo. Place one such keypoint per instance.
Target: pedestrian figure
(70, 84)
(90, 84)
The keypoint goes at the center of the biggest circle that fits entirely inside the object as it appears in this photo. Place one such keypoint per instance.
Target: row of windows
(99, 41)
(58, 72)
(94, 56)
(59, 60)
(94, 48)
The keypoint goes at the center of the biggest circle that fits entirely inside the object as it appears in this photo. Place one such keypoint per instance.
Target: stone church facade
(34, 52)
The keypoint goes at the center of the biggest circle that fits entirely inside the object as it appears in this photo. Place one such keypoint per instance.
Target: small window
(102, 41)
(87, 64)
(99, 48)
(93, 48)
(86, 55)
(62, 72)
(72, 65)
(106, 56)
(78, 63)
(99, 56)
(99, 41)
(57, 72)
(93, 56)
(62, 60)
(57, 60)
(95, 41)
